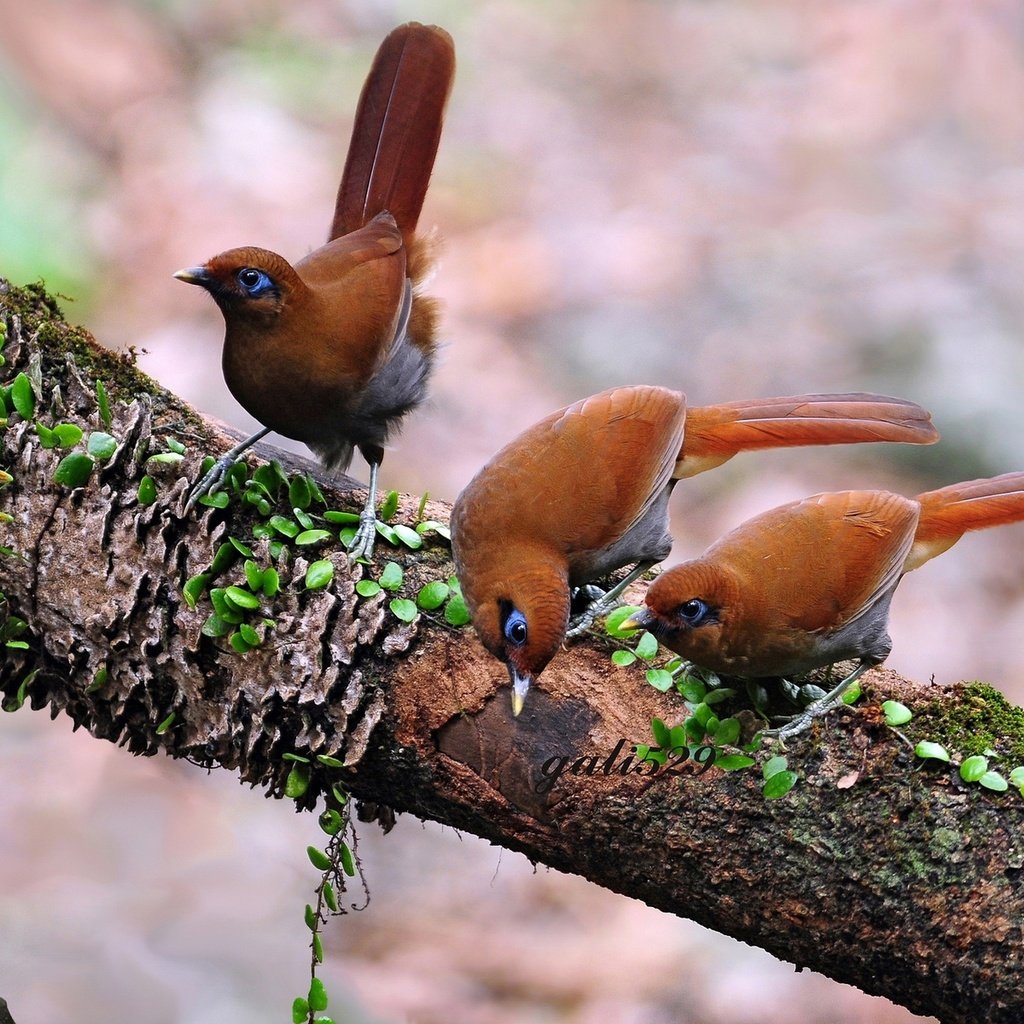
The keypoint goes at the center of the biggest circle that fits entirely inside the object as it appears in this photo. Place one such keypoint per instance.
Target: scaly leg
(215, 477)
(366, 535)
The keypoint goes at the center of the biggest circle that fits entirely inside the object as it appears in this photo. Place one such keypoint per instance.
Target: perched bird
(809, 583)
(585, 491)
(336, 349)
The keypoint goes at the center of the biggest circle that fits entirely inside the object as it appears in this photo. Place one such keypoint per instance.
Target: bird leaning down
(809, 583)
(585, 491)
(336, 349)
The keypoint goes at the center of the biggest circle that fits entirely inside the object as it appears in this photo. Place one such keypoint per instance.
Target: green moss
(983, 719)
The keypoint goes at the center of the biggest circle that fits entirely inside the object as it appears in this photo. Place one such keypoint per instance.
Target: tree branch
(877, 871)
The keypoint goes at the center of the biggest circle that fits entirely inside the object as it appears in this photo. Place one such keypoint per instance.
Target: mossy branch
(877, 869)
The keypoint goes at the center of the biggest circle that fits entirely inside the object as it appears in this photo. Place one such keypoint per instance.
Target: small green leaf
(340, 795)
(74, 470)
(717, 696)
(249, 635)
(615, 619)
(691, 688)
(67, 435)
(104, 405)
(223, 607)
(659, 679)
(295, 757)
(219, 499)
(408, 536)
(304, 520)
(994, 781)
(928, 749)
(347, 864)
(194, 588)
(433, 526)
(101, 445)
(403, 609)
(317, 995)
(253, 575)
(623, 658)
(284, 526)
(974, 768)
(388, 507)
(367, 588)
(330, 898)
(456, 613)
(308, 537)
(896, 713)
(299, 493)
(661, 733)
(341, 518)
(239, 644)
(146, 494)
(432, 595)
(271, 581)
(647, 646)
(23, 397)
(224, 556)
(242, 549)
(331, 821)
(734, 762)
(330, 762)
(319, 574)
(165, 459)
(318, 858)
(773, 766)
(392, 576)
(779, 785)
(216, 627)
(1017, 776)
(318, 954)
(727, 733)
(297, 782)
(300, 1008)
(166, 723)
(47, 438)
(852, 693)
(241, 599)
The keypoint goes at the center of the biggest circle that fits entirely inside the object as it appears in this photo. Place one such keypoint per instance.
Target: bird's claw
(211, 482)
(803, 721)
(366, 536)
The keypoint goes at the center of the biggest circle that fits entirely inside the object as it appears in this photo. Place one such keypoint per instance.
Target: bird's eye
(254, 281)
(515, 628)
(694, 611)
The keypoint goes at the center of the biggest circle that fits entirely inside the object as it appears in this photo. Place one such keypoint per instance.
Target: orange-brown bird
(336, 349)
(809, 583)
(585, 491)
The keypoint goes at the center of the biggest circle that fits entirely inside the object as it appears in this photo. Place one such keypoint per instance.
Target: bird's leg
(603, 605)
(801, 722)
(362, 542)
(215, 477)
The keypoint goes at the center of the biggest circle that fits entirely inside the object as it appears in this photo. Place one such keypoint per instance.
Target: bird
(335, 350)
(810, 583)
(585, 491)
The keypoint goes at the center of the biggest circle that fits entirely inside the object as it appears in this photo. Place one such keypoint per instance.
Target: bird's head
(520, 616)
(246, 283)
(686, 608)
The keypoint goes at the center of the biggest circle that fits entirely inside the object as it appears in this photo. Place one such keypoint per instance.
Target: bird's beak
(642, 619)
(194, 275)
(520, 684)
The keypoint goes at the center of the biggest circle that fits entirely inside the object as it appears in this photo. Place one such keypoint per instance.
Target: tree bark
(877, 869)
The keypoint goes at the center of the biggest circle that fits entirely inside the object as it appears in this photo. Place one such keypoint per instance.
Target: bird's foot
(599, 606)
(361, 548)
(211, 482)
(803, 721)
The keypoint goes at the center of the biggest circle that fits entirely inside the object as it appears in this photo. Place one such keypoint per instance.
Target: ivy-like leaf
(432, 595)
(779, 784)
(403, 609)
(659, 678)
(392, 576)
(101, 445)
(896, 713)
(146, 494)
(456, 612)
(319, 574)
(926, 748)
(23, 397)
(368, 588)
(74, 470)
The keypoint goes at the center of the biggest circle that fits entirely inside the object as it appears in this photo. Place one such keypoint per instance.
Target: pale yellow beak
(520, 684)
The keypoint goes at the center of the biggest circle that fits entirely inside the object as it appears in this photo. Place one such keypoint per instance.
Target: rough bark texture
(875, 870)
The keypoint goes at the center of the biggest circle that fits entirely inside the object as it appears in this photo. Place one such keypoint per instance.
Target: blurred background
(727, 197)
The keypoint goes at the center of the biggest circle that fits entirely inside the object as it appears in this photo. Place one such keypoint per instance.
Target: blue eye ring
(694, 611)
(515, 628)
(254, 281)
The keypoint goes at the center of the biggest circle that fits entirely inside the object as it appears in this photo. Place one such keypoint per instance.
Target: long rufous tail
(950, 512)
(397, 130)
(715, 433)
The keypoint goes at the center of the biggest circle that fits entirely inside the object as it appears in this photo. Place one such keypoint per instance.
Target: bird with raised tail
(335, 350)
(585, 492)
(809, 583)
